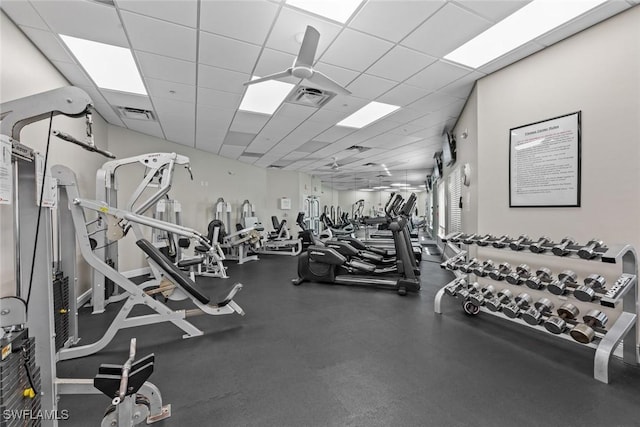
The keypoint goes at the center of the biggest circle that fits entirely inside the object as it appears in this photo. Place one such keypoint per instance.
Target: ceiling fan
(302, 66)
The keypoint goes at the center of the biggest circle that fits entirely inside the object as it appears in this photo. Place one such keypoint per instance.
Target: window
(455, 213)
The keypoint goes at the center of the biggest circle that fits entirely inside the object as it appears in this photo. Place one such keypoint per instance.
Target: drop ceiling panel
(161, 37)
(355, 50)
(22, 13)
(261, 144)
(165, 68)
(406, 129)
(183, 12)
(405, 115)
(437, 75)
(493, 10)
(95, 95)
(171, 90)
(461, 88)
(338, 74)
(447, 29)
(370, 87)
(218, 98)
(177, 120)
(216, 120)
(403, 95)
(327, 117)
(249, 122)
(294, 111)
(389, 140)
(125, 99)
(146, 127)
(290, 23)
(48, 44)
(74, 73)
(412, 61)
(221, 79)
(231, 151)
(295, 155)
(393, 20)
(227, 53)
(333, 134)
(222, 17)
(83, 19)
(345, 104)
(311, 146)
(247, 159)
(241, 139)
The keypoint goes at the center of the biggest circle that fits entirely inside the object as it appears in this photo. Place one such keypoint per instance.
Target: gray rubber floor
(323, 355)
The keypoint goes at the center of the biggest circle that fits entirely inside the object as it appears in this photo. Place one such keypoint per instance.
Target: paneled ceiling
(194, 55)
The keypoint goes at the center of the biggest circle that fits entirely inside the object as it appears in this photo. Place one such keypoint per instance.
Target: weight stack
(109, 286)
(61, 309)
(18, 361)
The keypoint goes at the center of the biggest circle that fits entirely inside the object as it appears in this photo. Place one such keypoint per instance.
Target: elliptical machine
(324, 264)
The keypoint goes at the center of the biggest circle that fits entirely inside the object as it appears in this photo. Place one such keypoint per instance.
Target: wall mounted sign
(544, 163)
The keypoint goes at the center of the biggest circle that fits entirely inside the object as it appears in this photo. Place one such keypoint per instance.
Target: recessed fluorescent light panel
(110, 67)
(533, 20)
(265, 97)
(338, 10)
(398, 184)
(368, 114)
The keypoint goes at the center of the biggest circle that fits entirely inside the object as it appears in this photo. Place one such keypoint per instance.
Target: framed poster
(544, 163)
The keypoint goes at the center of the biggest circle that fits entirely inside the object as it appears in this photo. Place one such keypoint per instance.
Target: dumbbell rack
(624, 328)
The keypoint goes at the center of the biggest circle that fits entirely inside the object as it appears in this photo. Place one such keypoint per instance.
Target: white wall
(25, 71)
(597, 72)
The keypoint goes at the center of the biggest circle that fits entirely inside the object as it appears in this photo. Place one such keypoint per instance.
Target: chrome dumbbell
(501, 241)
(592, 283)
(538, 246)
(484, 240)
(519, 275)
(470, 239)
(521, 302)
(504, 297)
(486, 292)
(559, 287)
(558, 324)
(501, 272)
(533, 315)
(455, 238)
(455, 286)
(561, 249)
(483, 269)
(519, 243)
(584, 332)
(542, 276)
(588, 251)
(453, 264)
(471, 289)
(468, 267)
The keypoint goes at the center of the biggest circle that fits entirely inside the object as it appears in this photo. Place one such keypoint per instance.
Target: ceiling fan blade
(307, 52)
(326, 83)
(280, 75)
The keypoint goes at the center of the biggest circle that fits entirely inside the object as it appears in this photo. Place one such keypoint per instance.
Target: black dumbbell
(536, 282)
(483, 269)
(470, 239)
(519, 275)
(518, 244)
(587, 292)
(561, 248)
(559, 287)
(484, 240)
(453, 287)
(588, 251)
(504, 297)
(478, 299)
(558, 324)
(521, 302)
(468, 267)
(537, 247)
(584, 332)
(470, 290)
(501, 241)
(501, 272)
(533, 315)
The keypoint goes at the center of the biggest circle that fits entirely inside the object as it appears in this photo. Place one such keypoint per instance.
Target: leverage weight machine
(32, 311)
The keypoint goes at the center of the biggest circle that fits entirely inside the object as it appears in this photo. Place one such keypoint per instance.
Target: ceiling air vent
(275, 167)
(309, 96)
(370, 164)
(136, 114)
(359, 148)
